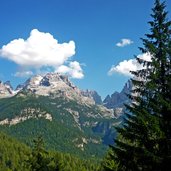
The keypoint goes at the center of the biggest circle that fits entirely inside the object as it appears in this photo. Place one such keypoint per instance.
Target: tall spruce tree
(144, 140)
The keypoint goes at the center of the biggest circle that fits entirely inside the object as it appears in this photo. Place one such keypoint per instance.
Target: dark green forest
(15, 156)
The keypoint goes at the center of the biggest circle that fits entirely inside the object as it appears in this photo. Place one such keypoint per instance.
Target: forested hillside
(15, 156)
(65, 125)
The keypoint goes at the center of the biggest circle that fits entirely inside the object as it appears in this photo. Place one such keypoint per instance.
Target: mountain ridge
(68, 118)
(52, 106)
(58, 85)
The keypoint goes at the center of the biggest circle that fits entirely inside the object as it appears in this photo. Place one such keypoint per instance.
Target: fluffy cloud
(74, 70)
(39, 50)
(124, 42)
(126, 66)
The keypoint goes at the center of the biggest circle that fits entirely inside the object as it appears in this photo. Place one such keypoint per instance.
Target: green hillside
(12, 154)
(84, 136)
(15, 156)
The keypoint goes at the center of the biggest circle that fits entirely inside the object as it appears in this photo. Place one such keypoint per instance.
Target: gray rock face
(117, 99)
(56, 85)
(8, 85)
(6, 89)
(94, 95)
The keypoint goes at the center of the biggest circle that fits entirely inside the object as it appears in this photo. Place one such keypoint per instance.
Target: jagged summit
(92, 94)
(127, 87)
(118, 99)
(8, 85)
(53, 84)
(6, 89)
(47, 80)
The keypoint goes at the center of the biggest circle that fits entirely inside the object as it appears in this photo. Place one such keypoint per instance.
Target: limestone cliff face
(54, 84)
(6, 89)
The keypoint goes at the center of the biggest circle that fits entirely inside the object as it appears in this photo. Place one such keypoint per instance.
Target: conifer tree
(40, 160)
(144, 141)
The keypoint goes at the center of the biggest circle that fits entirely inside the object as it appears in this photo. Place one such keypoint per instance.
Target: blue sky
(90, 30)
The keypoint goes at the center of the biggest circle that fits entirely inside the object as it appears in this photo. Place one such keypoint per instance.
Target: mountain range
(69, 119)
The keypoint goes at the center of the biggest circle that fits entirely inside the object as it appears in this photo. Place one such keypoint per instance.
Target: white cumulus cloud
(124, 42)
(38, 50)
(74, 70)
(126, 66)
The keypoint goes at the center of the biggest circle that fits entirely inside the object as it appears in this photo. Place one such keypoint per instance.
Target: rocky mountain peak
(107, 98)
(8, 85)
(51, 79)
(93, 95)
(33, 81)
(118, 99)
(54, 84)
(6, 89)
(127, 87)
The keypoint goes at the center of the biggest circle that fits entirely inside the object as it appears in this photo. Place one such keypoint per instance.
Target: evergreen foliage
(144, 141)
(15, 156)
(39, 159)
(12, 154)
